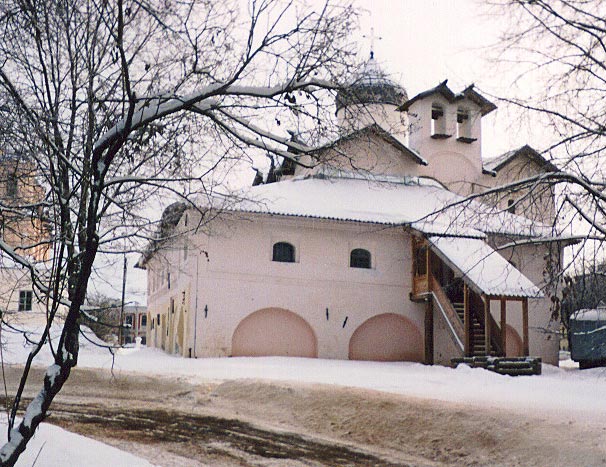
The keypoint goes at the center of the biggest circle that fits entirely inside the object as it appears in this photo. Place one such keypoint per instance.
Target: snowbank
(52, 446)
(564, 392)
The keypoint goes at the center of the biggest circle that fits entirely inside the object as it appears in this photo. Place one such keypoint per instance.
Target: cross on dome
(372, 38)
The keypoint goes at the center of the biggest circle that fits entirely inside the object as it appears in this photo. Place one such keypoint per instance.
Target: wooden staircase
(477, 339)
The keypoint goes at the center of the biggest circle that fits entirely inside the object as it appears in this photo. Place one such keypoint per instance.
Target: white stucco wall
(538, 204)
(454, 163)
(239, 278)
(12, 281)
(368, 153)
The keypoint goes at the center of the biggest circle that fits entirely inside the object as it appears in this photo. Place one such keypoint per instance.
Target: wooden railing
(420, 286)
(447, 309)
(495, 341)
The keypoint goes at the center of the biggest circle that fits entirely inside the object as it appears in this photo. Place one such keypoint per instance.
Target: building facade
(392, 261)
(23, 229)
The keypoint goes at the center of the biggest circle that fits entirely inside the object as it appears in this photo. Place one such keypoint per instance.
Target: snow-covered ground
(53, 447)
(564, 392)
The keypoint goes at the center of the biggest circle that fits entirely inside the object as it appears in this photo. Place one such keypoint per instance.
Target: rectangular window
(12, 185)
(143, 321)
(168, 280)
(25, 300)
(129, 320)
(464, 126)
(438, 122)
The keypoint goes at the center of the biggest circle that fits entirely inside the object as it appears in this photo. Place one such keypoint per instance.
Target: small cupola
(371, 85)
(371, 97)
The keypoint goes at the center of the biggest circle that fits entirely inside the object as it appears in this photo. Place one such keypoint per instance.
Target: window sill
(440, 136)
(464, 139)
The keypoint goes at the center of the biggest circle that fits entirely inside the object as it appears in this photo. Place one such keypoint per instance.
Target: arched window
(438, 122)
(464, 126)
(359, 258)
(283, 252)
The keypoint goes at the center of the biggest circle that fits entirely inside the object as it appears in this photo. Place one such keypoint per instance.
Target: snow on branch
(204, 99)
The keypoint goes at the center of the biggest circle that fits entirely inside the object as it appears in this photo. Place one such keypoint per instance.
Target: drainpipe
(196, 307)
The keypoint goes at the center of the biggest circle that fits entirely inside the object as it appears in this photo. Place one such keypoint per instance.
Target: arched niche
(387, 337)
(274, 332)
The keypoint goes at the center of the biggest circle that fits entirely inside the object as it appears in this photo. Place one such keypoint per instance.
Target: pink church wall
(454, 163)
(513, 342)
(387, 337)
(274, 331)
(234, 282)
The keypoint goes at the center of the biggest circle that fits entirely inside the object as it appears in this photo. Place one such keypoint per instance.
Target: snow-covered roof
(420, 203)
(496, 164)
(468, 93)
(595, 314)
(483, 268)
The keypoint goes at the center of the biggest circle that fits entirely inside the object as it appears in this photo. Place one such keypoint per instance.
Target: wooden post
(428, 265)
(525, 327)
(429, 332)
(466, 320)
(413, 248)
(487, 324)
(504, 326)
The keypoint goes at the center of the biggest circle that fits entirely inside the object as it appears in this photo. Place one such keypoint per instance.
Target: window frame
(25, 300)
(284, 256)
(12, 185)
(438, 121)
(358, 255)
(464, 125)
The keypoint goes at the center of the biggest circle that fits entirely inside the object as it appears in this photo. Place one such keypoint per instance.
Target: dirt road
(252, 423)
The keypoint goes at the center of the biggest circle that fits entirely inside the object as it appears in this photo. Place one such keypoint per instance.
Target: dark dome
(371, 86)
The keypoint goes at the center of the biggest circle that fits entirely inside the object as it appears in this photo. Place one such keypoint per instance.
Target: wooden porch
(465, 308)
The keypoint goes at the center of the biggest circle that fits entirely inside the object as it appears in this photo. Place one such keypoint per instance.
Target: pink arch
(274, 331)
(513, 342)
(387, 337)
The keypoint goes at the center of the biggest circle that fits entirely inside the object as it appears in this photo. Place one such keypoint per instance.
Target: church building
(396, 246)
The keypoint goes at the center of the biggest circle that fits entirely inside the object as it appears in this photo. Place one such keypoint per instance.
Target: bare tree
(557, 53)
(120, 103)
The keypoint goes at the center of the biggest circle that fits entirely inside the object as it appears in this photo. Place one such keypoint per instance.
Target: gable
(370, 150)
(518, 158)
